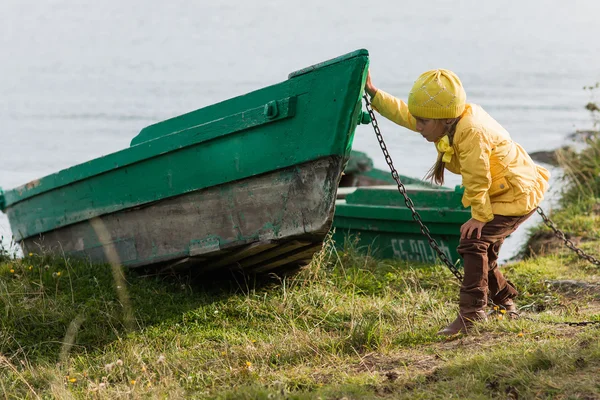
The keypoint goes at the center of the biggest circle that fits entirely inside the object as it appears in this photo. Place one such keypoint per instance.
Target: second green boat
(373, 214)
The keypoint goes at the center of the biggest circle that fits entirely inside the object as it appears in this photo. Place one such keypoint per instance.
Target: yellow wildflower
(30, 254)
(133, 381)
(12, 271)
(143, 369)
(520, 334)
(496, 308)
(248, 364)
(30, 267)
(223, 353)
(58, 273)
(503, 311)
(73, 380)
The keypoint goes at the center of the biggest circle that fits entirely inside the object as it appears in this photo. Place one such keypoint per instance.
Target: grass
(346, 326)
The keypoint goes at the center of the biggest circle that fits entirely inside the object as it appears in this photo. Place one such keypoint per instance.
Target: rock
(582, 135)
(545, 242)
(551, 157)
(546, 157)
(573, 284)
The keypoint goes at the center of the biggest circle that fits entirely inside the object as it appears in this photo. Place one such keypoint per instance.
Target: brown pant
(480, 258)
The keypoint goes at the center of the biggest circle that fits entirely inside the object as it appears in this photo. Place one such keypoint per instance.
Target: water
(78, 80)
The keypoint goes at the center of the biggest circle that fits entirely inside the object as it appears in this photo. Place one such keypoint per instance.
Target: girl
(502, 184)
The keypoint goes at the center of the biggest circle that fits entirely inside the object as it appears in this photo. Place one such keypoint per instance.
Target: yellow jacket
(498, 175)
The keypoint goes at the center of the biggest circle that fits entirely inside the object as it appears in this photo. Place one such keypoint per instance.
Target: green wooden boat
(360, 171)
(374, 216)
(246, 183)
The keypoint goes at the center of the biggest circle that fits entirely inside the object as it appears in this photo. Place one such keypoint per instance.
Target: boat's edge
(314, 67)
(298, 234)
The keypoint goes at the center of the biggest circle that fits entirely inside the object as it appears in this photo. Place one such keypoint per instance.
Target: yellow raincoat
(499, 177)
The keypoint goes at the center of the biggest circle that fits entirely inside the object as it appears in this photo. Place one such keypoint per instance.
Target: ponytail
(436, 172)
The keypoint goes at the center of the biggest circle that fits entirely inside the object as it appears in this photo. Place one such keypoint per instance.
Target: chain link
(432, 242)
(569, 323)
(562, 236)
(582, 323)
(409, 203)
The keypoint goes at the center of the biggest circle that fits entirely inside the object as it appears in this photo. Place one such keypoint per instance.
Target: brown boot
(463, 322)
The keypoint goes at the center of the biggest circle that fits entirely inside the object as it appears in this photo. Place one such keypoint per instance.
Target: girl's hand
(369, 87)
(472, 225)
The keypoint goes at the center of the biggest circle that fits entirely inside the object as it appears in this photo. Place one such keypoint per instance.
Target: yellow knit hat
(437, 94)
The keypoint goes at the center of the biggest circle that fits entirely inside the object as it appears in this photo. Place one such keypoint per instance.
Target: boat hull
(239, 225)
(377, 221)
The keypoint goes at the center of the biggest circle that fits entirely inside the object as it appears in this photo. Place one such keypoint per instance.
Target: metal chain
(409, 203)
(432, 242)
(519, 316)
(582, 323)
(561, 235)
(498, 309)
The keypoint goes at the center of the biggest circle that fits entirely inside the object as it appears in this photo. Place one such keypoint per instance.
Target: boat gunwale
(343, 204)
(327, 63)
(141, 152)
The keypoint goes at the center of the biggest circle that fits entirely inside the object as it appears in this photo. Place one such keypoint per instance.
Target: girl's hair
(436, 172)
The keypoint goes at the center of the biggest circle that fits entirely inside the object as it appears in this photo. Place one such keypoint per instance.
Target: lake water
(79, 80)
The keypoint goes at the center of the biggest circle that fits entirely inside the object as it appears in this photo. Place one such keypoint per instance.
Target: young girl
(502, 184)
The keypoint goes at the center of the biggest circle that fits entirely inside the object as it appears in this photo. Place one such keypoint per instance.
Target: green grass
(346, 326)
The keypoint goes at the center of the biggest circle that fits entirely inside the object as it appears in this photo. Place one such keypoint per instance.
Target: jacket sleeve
(393, 109)
(474, 151)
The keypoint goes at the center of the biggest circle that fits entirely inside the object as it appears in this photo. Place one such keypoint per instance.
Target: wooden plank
(180, 264)
(245, 252)
(276, 252)
(297, 255)
(342, 192)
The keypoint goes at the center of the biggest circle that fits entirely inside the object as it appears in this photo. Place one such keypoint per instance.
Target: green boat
(247, 183)
(360, 172)
(372, 214)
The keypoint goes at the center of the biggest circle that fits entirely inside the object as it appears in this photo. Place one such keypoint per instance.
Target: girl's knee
(472, 246)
